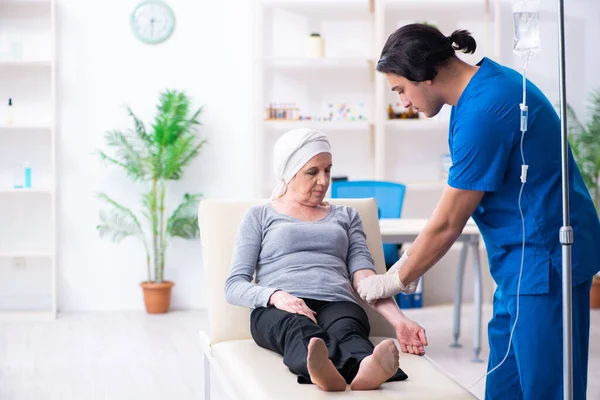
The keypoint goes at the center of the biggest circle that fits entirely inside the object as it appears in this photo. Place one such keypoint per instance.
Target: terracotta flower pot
(157, 296)
(595, 293)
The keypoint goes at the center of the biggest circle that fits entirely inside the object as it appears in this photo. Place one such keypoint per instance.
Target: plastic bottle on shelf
(361, 112)
(27, 174)
(315, 46)
(400, 111)
(391, 113)
(10, 118)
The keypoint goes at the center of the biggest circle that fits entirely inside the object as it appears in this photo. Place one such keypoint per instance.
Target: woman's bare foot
(322, 371)
(378, 367)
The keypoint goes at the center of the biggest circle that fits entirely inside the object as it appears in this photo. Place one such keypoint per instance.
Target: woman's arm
(239, 290)
(411, 335)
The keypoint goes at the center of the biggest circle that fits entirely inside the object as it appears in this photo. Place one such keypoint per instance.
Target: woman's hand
(292, 304)
(411, 336)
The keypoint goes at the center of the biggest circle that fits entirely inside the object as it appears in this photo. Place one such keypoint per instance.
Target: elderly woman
(309, 257)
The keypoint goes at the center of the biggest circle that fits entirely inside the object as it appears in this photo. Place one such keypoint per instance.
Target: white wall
(102, 67)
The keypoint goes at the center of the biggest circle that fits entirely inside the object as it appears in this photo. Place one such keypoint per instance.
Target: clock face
(152, 21)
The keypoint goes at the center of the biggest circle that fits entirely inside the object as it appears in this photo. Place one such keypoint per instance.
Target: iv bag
(526, 17)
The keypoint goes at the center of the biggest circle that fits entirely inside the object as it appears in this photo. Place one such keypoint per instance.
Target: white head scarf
(292, 150)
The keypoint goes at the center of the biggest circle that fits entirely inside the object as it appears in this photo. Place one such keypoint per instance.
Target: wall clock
(152, 21)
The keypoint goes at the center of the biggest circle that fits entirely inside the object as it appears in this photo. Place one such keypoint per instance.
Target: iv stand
(566, 231)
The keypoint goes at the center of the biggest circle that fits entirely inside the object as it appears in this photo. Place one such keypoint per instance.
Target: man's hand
(411, 337)
(377, 287)
(411, 287)
(292, 304)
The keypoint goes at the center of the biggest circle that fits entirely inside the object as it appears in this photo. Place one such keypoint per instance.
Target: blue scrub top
(484, 142)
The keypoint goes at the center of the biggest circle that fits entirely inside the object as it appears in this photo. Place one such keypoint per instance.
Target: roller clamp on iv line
(524, 112)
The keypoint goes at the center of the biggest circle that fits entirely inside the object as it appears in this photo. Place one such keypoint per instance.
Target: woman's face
(310, 184)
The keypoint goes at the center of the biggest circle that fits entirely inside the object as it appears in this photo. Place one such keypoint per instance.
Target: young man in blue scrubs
(420, 64)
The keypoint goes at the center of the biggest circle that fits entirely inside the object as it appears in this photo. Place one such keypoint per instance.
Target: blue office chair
(389, 197)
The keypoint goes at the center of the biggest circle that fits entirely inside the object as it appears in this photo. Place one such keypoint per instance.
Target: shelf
(318, 63)
(26, 254)
(417, 125)
(27, 315)
(7, 128)
(26, 191)
(28, 71)
(325, 10)
(25, 2)
(25, 63)
(325, 126)
(354, 32)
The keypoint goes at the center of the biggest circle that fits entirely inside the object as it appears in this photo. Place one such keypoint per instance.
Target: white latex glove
(411, 287)
(377, 287)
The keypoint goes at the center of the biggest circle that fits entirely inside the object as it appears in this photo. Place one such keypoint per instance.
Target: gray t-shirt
(307, 259)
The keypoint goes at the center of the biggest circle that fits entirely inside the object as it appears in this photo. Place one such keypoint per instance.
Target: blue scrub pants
(533, 369)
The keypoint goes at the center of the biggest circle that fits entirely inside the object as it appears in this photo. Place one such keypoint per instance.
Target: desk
(405, 230)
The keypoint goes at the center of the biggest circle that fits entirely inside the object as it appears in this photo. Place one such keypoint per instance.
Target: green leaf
(179, 156)
(106, 158)
(573, 124)
(120, 223)
(147, 206)
(585, 142)
(172, 138)
(140, 128)
(183, 222)
(128, 154)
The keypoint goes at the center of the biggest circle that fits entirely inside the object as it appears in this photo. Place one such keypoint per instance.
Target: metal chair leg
(206, 377)
(477, 295)
(458, 294)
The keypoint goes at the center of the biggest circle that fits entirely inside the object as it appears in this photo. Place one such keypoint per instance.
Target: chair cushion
(259, 374)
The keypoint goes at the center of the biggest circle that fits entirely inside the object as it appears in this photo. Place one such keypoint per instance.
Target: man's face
(417, 95)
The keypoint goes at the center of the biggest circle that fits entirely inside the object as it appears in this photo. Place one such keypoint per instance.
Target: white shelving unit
(354, 32)
(28, 259)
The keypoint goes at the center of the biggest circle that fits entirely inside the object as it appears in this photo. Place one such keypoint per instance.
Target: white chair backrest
(219, 221)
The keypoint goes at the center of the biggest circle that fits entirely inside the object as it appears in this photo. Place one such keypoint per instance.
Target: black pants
(342, 325)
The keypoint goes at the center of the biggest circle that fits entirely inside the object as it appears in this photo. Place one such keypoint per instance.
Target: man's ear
(429, 82)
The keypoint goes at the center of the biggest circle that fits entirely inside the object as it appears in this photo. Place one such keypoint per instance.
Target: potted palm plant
(155, 157)
(585, 143)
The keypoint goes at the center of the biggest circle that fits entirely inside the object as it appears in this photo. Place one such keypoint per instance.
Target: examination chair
(249, 372)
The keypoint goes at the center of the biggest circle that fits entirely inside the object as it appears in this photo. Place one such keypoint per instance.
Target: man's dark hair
(416, 51)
